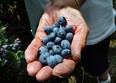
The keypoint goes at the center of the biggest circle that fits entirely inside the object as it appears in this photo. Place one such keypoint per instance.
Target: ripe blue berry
(55, 30)
(69, 36)
(43, 58)
(4, 53)
(66, 52)
(61, 33)
(51, 52)
(16, 47)
(47, 54)
(43, 49)
(59, 58)
(57, 40)
(47, 29)
(62, 21)
(45, 40)
(57, 49)
(69, 28)
(5, 46)
(52, 36)
(57, 44)
(65, 44)
(50, 44)
(51, 60)
(55, 25)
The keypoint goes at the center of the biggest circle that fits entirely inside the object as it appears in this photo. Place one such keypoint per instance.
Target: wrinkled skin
(80, 29)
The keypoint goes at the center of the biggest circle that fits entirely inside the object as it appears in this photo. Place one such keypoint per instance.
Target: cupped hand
(80, 30)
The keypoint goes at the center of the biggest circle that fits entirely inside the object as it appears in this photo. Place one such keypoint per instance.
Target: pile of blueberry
(13, 47)
(57, 43)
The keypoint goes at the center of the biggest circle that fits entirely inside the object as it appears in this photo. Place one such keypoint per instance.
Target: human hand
(80, 31)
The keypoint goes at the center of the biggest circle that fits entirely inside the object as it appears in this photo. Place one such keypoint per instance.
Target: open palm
(80, 31)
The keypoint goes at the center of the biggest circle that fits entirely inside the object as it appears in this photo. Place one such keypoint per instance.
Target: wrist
(65, 3)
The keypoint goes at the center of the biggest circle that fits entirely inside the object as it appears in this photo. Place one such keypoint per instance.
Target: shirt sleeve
(35, 9)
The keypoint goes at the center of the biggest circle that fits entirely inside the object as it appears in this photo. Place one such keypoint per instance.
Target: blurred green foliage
(10, 65)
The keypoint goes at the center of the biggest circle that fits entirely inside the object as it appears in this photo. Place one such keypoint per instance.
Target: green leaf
(3, 39)
(3, 62)
(2, 29)
(20, 54)
(11, 57)
(18, 63)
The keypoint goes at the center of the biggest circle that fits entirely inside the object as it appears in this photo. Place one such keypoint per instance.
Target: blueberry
(52, 36)
(59, 58)
(57, 49)
(47, 54)
(4, 53)
(45, 40)
(5, 46)
(62, 21)
(66, 52)
(50, 44)
(65, 44)
(69, 36)
(51, 52)
(43, 49)
(55, 25)
(57, 40)
(51, 60)
(69, 28)
(16, 47)
(61, 33)
(43, 58)
(55, 30)
(47, 29)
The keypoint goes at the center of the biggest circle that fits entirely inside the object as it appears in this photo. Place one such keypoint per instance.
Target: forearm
(64, 3)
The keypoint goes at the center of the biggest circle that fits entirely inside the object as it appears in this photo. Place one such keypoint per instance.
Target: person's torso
(100, 19)
(98, 15)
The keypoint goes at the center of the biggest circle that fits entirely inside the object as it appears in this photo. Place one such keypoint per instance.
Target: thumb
(79, 40)
(76, 48)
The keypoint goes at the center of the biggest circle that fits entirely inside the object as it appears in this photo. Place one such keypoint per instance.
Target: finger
(32, 51)
(33, 68)
(64, 68)
(79, 41)
(44, 73)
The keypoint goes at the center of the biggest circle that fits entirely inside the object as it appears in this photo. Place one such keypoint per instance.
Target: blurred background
(15, 36)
